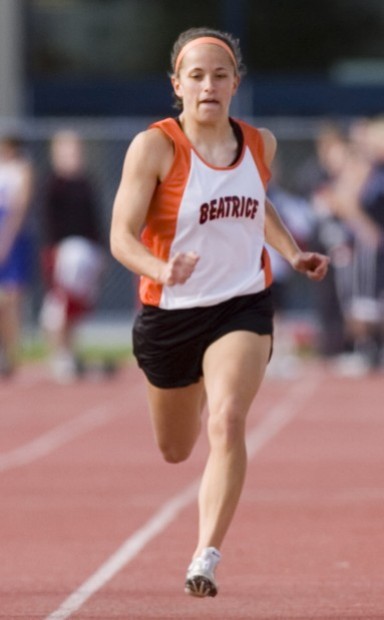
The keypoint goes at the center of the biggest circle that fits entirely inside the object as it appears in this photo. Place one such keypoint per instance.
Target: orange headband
(201, 41)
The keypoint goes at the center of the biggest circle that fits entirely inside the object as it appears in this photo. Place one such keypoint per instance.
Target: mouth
(209, 102)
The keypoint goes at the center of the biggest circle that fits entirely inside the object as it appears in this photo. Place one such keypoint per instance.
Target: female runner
(191, 217)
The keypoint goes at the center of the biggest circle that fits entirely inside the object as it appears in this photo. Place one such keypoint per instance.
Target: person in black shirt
(72, 256)
(367, 308)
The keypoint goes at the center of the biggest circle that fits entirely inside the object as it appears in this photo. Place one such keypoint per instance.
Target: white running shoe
(63, 365)
(200, 580)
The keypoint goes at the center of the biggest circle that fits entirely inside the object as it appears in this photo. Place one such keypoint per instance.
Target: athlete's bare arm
(276, 233)
(270, 146)
(312, 264)
(147, 162)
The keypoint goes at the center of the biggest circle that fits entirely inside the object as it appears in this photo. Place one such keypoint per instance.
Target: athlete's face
(206, 82)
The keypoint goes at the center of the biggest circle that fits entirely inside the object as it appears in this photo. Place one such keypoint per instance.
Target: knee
(174, 454)
(226, 425)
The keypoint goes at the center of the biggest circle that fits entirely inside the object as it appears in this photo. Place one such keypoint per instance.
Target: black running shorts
(169, 345)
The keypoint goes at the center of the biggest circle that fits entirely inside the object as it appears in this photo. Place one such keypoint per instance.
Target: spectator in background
(16, 188)
(349, 209)
(324, 165)
(72, 255)
(321, 180)
(366, 312)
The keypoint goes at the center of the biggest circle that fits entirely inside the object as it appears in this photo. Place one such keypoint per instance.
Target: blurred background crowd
(79, 78)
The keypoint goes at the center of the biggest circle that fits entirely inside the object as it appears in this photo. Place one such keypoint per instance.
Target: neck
(216, 143)
(197, 131)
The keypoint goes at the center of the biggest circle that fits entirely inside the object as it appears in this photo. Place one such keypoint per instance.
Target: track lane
(284, 558)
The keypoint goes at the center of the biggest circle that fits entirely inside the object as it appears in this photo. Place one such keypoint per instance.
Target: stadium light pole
(11, 58)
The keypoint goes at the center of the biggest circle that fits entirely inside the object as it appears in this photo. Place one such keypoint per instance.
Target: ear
(177, 86)
(236, 84)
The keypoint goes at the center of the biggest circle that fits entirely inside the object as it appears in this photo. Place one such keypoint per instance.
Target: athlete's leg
(234, 367)
(176, 418)
(10, 327)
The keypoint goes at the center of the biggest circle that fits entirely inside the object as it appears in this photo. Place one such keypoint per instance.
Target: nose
(208, 83)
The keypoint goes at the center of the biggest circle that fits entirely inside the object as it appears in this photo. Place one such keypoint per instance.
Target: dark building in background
(111, 57)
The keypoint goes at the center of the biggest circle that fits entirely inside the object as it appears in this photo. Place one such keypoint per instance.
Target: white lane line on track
(273, 422)
(56, 437)
(280, 415)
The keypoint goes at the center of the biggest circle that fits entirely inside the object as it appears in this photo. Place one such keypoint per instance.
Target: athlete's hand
(179, 268)
(313, 265)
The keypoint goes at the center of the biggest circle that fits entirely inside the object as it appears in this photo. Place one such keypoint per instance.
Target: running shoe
(200, 580)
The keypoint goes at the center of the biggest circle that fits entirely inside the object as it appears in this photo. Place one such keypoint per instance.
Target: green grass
(36, 350)
(96, 353)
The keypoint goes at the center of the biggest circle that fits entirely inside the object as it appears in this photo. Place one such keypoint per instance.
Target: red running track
(94, 525)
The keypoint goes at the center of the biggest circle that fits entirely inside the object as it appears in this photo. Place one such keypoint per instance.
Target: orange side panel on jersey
(161, 223)
(255, 142)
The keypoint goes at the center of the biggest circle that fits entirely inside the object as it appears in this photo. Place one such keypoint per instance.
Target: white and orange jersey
(219, 213)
